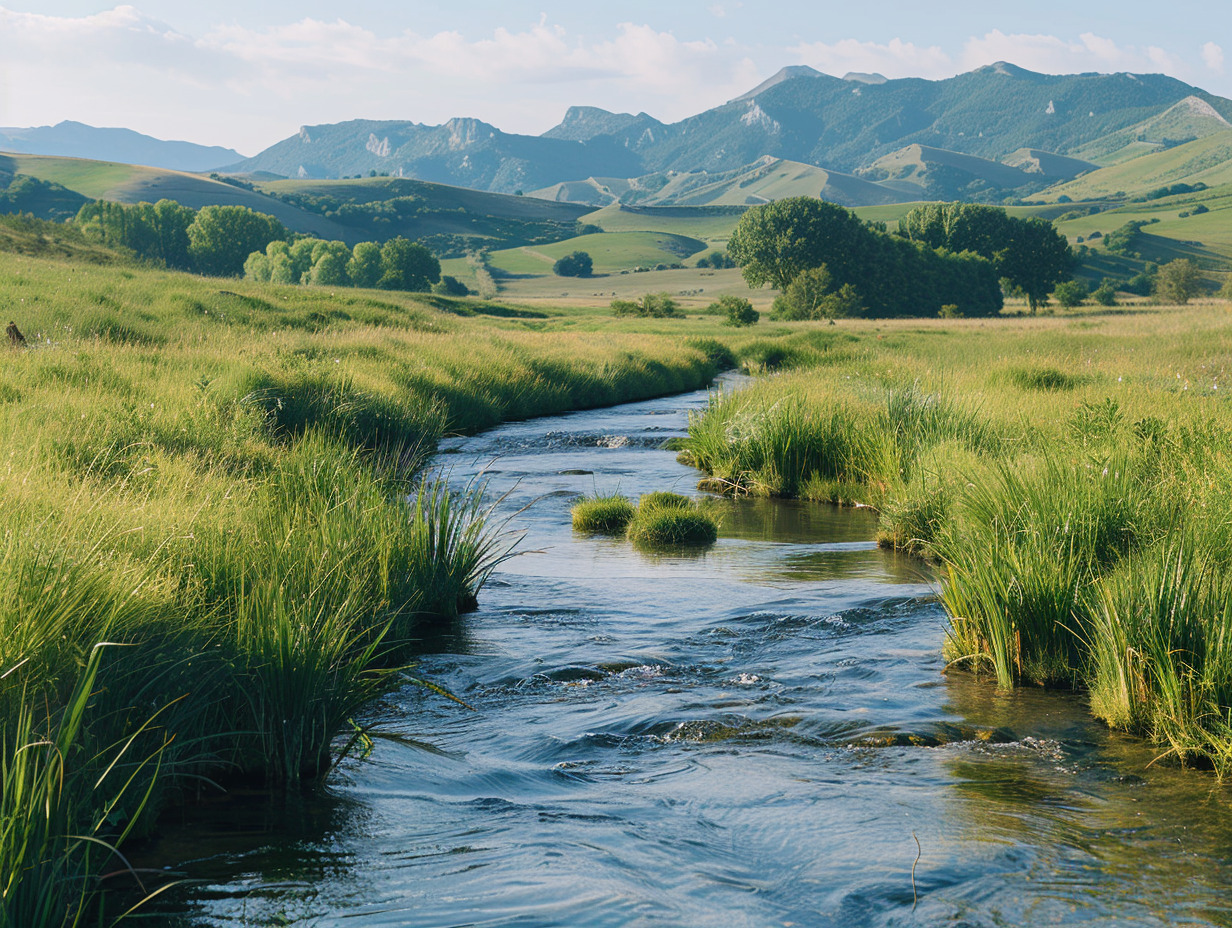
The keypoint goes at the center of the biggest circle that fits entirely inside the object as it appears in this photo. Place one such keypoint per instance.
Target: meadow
(1069, 475)
(217, 547)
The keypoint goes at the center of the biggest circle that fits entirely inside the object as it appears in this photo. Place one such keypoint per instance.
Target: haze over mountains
(860, 139)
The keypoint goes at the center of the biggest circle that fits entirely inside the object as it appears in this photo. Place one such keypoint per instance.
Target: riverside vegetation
(1070, 477)
(215, 544)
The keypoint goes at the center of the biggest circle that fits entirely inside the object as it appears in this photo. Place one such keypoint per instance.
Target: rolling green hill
(611, 253)
(1207, 160)
(710, 223)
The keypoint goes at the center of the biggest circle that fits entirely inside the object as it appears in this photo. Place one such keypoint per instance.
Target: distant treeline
(230, 241)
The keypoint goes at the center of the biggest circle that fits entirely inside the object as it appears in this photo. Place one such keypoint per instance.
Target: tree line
(949, 258)
(230, 241)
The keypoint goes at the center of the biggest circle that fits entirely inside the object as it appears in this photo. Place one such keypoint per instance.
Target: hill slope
(1206, 160)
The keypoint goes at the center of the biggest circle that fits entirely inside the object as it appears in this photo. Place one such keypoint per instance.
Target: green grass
(1067, 474)
(608, 515)
(669, 520)
(218, 478)
(611, 252)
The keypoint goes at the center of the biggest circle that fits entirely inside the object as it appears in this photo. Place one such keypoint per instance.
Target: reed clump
(666, 519)
(606, 515)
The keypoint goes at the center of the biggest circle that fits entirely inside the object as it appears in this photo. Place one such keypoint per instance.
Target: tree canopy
(886, 275)
(1030, 253)
(222, 237)
(576, 264)
(407, 265)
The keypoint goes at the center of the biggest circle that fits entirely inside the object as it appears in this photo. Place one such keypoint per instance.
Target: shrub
(451, 286)
(737, 310)
(1177, 282)
(575, 264)
(1071, 293)
(1105, 294)
(656, 305)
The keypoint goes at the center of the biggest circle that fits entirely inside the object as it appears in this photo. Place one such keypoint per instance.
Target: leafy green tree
(775, 242)
(257, 267)
(804, 296)
(1178, 282)
(364, 268)
(1105, 293)
(576, 264)
(737, 310)
(1030, 253)
(407, 265)
(171, 220)
(1071, 293)
(329, 265)
(222, 237)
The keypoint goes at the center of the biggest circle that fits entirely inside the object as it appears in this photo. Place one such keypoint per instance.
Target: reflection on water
(744, 735)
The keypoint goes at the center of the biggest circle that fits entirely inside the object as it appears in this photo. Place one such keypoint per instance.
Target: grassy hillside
(765, 180)
(611, 252)
(709, 223)
(1188, 119)
(1207, 160)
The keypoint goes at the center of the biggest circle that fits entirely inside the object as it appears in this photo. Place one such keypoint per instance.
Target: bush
(737, 310)
(608, 515)
(652, 305)
(1071, 293)
(1177, 282)
(1105, 294)
(717, 260)
(576, 264)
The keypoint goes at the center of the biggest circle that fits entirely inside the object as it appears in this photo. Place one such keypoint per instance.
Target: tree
(804, 296)
(364, 268)
(1071, 293)
(1178, 282)
(1029, 253)
(738, 311)
(222, 237)
(576, 264)
(407, 265)
(716, 259)
(329, 265)
(775, 242)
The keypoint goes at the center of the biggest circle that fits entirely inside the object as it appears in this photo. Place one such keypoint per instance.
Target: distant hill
(462, 152)
(1203, 161)
(841, 125)
(765, 180)
(919, 172)
(77, 140)
(1189, 119)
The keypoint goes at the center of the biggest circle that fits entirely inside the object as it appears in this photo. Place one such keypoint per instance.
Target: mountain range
(860, 139)
(997, 128)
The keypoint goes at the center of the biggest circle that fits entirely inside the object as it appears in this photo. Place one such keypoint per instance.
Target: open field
(611, 252)
(1068, 474)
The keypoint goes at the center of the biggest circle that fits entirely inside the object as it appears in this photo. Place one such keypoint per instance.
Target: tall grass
(223, 485)
(1074, 498)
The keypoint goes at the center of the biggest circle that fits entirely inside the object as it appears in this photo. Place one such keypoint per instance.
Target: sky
(247, 74)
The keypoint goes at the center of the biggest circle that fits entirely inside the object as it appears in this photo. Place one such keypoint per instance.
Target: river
(753, 735)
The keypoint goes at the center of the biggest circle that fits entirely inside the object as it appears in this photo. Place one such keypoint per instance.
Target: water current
(753, 735)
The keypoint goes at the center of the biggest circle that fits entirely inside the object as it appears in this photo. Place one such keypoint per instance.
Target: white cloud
(894, 59)
(1212, 54)
(247, 87)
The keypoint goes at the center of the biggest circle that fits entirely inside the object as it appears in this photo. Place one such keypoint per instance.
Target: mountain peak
(861, 77)
(789, 73)
(582, 123)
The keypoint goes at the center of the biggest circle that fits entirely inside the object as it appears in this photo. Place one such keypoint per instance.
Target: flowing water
(756, 734)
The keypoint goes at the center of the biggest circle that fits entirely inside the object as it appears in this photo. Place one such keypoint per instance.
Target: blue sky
(247, 74)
